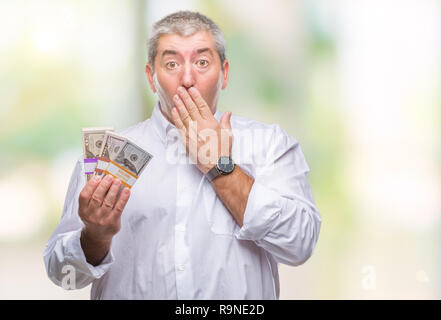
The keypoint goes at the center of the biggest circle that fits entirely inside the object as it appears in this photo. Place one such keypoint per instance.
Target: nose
(188, 76)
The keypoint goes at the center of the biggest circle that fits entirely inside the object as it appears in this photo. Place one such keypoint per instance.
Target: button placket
(184, 279)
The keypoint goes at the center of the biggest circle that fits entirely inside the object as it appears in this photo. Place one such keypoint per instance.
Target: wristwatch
(224, 165)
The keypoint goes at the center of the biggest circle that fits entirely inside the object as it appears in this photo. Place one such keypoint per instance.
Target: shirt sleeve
(280, 215)
(63, 257)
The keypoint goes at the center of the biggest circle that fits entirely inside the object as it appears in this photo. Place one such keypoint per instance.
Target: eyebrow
(198, 51)
(202, 50)
(172, 52)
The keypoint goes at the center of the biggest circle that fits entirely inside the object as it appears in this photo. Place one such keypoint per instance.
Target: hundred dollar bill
(112, 144)
(92, 145)
(129, 163)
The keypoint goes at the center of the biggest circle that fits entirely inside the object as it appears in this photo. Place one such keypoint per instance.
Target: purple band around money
(90, 160)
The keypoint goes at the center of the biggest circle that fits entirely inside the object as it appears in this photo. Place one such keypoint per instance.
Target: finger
(109, 200)
(179, 124)
(189, 104)
(88, 190)
(121, 203)
(177, 119)
(226, 134)
(98, 196)
(183, 113)
(203, 107)
(225, 121)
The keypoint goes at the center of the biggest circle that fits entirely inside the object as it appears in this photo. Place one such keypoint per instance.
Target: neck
(166, 116)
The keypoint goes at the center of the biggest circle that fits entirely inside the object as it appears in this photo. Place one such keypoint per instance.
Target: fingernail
(97, 178)
(176, 97)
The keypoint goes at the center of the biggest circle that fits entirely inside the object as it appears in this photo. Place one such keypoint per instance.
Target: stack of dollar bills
(106, 152)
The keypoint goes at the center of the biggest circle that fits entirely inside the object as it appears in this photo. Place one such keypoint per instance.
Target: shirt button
(181, 267)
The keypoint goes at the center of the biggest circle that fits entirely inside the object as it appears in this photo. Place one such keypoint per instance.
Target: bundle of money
(118, 156)
(128, 163)
(111, 146)
(92, 144)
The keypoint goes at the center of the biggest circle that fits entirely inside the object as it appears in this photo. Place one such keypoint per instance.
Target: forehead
(186, 45)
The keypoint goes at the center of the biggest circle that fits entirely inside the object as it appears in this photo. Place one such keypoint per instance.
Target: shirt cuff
(75, 255)
(261, 213)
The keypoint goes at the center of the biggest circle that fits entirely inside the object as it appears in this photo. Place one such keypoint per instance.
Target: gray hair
(185, 23)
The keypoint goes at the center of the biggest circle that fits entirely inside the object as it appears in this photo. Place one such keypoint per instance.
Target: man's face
(188, 62)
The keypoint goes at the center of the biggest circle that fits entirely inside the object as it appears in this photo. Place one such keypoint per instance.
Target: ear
(149, 74)
(226, 69)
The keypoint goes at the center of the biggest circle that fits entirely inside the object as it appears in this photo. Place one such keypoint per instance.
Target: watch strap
(213, 173)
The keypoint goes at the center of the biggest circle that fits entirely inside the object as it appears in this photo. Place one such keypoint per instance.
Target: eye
(171, 65)
(202, 63)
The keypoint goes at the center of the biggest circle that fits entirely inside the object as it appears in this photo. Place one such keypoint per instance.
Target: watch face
(225, 164)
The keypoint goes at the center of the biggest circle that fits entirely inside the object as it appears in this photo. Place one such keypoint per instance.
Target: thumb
(225, 120)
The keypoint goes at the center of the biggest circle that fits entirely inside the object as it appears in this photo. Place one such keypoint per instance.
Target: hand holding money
(112, 164)
(100, 211)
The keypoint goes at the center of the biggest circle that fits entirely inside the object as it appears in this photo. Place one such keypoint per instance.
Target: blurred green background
(356, 82)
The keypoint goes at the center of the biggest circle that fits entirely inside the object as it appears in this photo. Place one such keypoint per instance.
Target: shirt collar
(163, 126)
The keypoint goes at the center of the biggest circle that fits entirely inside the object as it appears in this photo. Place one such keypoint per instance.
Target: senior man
(223, 201)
